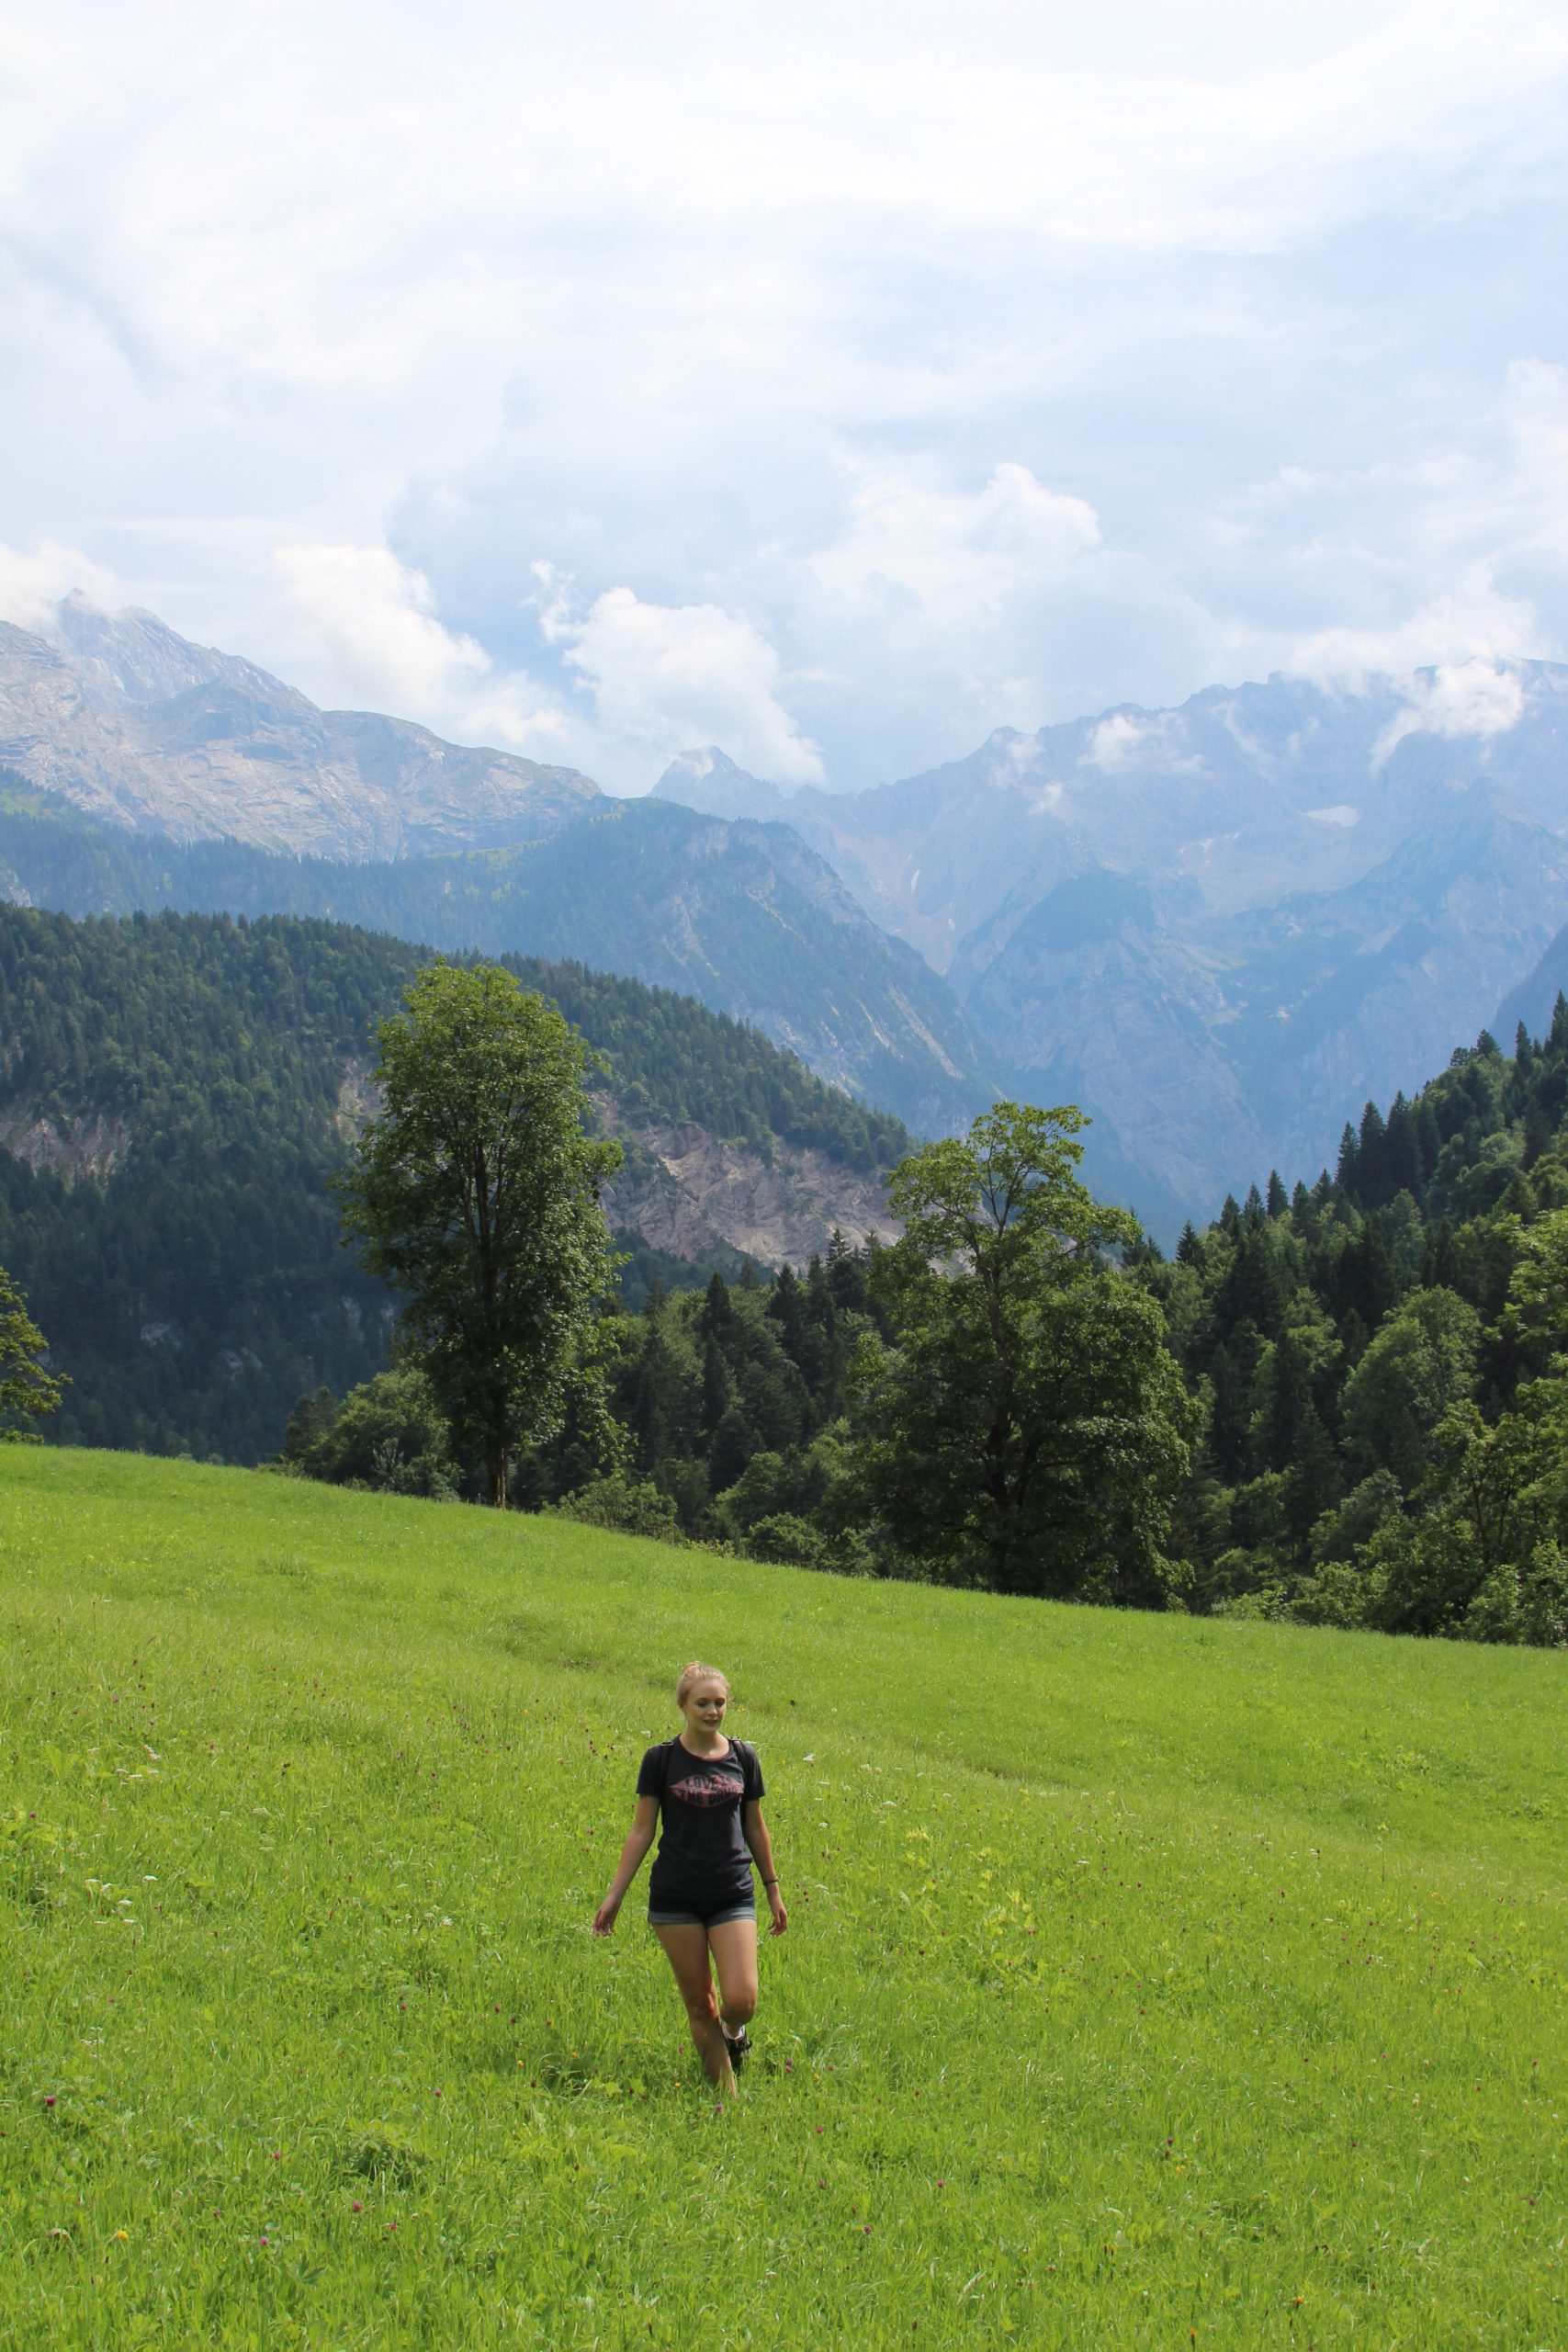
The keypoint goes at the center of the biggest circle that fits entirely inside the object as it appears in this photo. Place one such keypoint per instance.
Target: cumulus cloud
(1460, 634)
(1457, 698)
(663, 675)
(1117, 741)
(34, 579)
(375, 626)
(876, 377)
(957, 560)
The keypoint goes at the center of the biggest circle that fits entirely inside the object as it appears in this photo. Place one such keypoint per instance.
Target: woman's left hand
(780, 1917)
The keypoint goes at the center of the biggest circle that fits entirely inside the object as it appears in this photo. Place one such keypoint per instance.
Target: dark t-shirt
(703, 1856)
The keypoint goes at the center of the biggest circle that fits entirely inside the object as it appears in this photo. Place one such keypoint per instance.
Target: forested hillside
(175, 1093)
(744, 918)
(1379, 1360)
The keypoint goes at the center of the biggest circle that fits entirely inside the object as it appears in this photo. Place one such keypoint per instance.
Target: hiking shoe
(740, 2049)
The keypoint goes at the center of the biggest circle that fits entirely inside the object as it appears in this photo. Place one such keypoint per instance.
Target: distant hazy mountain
(1221, 927)
(124, 718)
(1535, 999)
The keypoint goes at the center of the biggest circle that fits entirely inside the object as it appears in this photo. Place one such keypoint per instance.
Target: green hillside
(743, 917)
(193, 1066)
(1150, 1980)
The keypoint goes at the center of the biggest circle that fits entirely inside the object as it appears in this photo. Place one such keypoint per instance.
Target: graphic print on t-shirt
(707, 1788)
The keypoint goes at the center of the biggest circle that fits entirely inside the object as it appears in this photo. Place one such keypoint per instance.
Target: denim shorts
(702, 1914)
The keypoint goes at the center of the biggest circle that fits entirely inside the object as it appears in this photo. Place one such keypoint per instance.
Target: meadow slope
(1149, 1981)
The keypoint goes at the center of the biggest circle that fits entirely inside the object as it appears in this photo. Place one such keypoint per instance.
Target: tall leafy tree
(1027, 1428)
(27, 1390)
(475, 1192)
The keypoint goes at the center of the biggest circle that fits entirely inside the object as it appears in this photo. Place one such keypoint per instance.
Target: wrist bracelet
(770, 1882)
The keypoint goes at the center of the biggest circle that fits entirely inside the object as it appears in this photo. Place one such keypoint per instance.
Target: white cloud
(1457, 698)
(375, 626)
(1457, 634)
(959, 560)
(663, 676)
(33, 579)
(879, 375)
(1117, 741)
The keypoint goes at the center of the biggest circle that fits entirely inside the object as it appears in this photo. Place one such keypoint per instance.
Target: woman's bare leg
(686, 1949)
(734, 1947)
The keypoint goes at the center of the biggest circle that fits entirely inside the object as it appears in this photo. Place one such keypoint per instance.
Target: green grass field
(1149, 1981)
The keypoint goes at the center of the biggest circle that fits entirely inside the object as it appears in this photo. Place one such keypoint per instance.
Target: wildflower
(357, 2207)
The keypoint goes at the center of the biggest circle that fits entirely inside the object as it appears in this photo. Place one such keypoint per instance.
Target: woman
(701, 1903)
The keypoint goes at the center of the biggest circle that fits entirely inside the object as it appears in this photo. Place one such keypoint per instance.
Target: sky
(835, 384)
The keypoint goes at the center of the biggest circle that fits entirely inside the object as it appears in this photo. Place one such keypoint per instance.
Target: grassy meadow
(1149, 1981)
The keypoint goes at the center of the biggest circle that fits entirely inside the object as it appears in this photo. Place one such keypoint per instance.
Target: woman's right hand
(604, 1917)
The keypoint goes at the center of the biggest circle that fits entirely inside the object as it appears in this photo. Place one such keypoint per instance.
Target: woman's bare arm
(755, 1830)
(639, 1837)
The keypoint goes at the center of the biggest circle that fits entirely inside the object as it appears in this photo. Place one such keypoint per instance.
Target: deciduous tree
(475, 1192)
(1027, 1428)
(27, 1390)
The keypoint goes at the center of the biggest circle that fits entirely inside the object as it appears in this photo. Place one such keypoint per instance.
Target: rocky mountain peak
(119, 714)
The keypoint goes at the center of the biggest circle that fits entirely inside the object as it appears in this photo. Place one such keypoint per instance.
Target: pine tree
(1346, 1171)
(1315, 1481)
(1290, 1399)
(1372, 1160)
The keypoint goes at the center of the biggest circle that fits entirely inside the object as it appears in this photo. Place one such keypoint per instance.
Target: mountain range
(210, 786)
(1220, 928)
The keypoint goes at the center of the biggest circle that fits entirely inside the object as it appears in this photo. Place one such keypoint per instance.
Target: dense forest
(1378, 1358)
(184, 1087)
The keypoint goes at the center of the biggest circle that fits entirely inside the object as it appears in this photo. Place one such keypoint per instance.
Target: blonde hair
(691, 1674)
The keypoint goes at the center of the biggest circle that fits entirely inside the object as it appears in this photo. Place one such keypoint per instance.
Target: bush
(630, 1506)
(388, 1434)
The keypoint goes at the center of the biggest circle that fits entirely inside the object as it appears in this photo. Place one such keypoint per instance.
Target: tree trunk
(498, 1468)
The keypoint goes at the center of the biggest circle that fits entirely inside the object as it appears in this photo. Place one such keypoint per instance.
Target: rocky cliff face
(123, 717)
(89, 1146)
(687, 1191)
